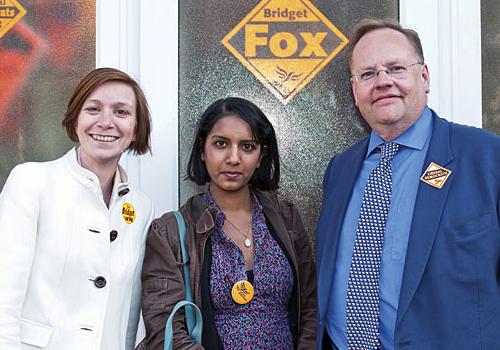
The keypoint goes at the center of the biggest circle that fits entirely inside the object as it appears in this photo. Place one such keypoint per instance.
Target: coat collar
(199, 214)
(203, 217)
(429, 206)
(90, 180)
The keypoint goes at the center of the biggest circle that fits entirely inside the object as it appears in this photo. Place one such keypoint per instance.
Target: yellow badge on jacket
(242, 292)
(128, 213)
(435, 175)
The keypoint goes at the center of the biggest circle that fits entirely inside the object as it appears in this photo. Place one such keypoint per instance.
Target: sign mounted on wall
(10, 13)
(285, 43)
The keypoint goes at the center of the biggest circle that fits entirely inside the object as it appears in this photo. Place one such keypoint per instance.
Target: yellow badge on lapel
(435, 175)
(128, 213)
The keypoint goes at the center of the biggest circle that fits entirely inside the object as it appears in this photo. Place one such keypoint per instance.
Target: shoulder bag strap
(185, 257)
(194, 318)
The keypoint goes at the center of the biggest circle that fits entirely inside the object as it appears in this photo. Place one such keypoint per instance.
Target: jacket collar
(429, 206)
(203, 217)
(274, 213)
(197, 211)
(90, 180)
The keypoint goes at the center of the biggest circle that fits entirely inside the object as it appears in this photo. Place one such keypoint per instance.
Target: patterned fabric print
(363, 286)
(263, 322)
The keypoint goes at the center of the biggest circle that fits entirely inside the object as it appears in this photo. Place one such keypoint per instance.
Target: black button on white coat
(123, 192)
(100, 282)
(112, 235)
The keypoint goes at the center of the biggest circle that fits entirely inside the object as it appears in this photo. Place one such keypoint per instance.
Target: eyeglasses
(395, 71)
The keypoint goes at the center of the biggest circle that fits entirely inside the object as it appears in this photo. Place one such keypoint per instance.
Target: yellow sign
(10, 13)
(435, 175)
(242, 292)
(285, 43)
(128, 213)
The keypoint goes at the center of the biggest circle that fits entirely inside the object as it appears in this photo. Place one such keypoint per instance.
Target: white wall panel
(140, 37)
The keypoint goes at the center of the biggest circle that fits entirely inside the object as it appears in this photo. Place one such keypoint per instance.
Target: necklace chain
(248, 242)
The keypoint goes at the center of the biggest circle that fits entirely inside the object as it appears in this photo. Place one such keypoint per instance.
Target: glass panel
(319, 121)
(42, 57)
(490, 42)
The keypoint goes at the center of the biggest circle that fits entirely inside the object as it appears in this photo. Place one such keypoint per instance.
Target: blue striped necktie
(362, 312)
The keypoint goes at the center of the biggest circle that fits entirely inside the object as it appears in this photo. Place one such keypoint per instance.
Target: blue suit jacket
(450, 293)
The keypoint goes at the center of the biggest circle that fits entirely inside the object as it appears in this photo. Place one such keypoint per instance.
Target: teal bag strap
(195, 332)
(185, 257)
(194, 318)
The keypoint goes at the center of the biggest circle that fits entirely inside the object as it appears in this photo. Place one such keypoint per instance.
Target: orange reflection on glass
(19, 56)
(42, 57)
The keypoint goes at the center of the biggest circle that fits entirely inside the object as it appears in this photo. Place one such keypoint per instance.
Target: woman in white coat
(72, 230)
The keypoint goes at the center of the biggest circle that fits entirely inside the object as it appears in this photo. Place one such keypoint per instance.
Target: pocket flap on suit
(34, 333)
(470, 229)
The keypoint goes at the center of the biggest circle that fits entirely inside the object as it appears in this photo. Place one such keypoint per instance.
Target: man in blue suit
(438, 272)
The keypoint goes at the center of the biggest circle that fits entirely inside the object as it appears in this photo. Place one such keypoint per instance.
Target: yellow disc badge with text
(128, 213)
(242, 292)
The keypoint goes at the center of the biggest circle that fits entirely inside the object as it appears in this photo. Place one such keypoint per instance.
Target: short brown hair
(367, 25)
(93, 80)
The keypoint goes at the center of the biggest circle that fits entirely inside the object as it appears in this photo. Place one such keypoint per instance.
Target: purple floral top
(263, 322)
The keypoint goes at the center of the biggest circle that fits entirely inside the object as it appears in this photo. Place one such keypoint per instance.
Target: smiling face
(106, 124)
(389, 105)
(231, 155)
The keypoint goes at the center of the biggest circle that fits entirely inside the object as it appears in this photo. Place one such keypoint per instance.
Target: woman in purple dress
(251, 267)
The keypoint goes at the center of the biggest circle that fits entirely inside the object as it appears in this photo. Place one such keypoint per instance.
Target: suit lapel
(333, 212)
(429, 206)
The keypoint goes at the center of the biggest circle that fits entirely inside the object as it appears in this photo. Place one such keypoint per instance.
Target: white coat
(63, 283)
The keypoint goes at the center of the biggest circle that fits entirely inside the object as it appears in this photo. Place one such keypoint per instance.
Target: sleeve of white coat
(135, 302)
(19, 208)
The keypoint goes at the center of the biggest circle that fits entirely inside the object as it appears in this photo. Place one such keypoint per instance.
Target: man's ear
(354, 86)
(426, 77)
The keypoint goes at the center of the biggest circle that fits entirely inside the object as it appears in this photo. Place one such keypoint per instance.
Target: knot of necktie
(389, 150)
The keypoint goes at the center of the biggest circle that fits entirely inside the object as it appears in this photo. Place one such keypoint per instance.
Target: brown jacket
(162, 279)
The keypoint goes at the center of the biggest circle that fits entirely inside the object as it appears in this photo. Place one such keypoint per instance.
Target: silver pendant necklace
(248, 241)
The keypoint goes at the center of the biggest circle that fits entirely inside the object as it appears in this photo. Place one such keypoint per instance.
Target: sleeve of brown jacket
(307, 277)
(163, 286)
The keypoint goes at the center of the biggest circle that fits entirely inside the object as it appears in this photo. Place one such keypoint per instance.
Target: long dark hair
(266, 177)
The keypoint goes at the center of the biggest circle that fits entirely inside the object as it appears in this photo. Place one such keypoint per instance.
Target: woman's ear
(263, 153)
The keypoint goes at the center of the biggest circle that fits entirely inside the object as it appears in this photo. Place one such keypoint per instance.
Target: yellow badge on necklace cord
(435, 175)
(242, 292)
(128, 213)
